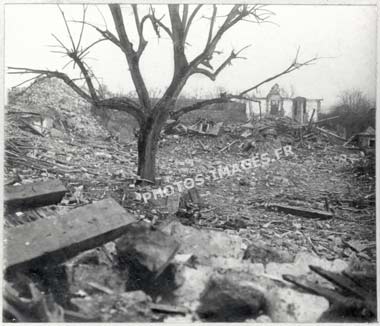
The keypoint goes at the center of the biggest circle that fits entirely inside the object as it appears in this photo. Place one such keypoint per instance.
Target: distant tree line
(355, 110)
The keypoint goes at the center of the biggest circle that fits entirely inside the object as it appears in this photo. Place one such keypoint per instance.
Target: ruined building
(298, 108)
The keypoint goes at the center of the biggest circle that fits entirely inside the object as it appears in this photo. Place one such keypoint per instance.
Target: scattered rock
(286, 305)
(129, 306)
(194, 282)
(301, 265)
(146, 247)
(145, 253)
(237, 265)
(227, 301)
(259, 252)
(263, 319)
(84, 275)
(205, 243)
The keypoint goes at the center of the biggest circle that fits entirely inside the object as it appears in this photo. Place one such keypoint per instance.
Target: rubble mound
(50, 99)
(283, 126)
(270, 132)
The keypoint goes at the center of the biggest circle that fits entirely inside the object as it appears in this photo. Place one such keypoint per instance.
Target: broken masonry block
(146, 252)
(59, 238)
(34, 194)
(224, 300)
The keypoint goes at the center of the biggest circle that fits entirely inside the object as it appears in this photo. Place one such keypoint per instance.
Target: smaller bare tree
(354, 111)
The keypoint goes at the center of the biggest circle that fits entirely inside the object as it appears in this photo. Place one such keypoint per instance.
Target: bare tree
(152, 117)
(355, 112)
(353, 100)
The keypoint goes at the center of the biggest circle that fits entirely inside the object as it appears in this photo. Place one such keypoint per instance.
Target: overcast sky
(346, 35)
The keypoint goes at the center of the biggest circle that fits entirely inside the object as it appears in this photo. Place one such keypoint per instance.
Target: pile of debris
(273, 132)
(200, 127)
(262, 136)
(77, 250)
(49, 106)
(98, 263)
(45, 140)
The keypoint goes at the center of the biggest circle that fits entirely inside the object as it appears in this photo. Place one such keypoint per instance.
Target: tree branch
(225, 99)
(212, 22)
(76, 56)
(202, 104)
(209, 49)
(85, 73)
(139, 27)
(190, 21)
(180, 61)
(82, 28)
(182, 69)
(157, 23)
(185, 13)
(67, 26)
(57, 74)
(235, 15)
(293, 66)
(225, 63)
(117, 103)
(162, 25)
(124, 104)
(131, 56)
(105, 33)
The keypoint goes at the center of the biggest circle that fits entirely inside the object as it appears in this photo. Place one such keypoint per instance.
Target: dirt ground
(316, 175)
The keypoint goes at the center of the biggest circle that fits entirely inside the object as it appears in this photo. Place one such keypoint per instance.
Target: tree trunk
(147, 149)
(148, 143)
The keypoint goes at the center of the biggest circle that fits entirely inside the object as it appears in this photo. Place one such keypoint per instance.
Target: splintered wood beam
(300, 211)
(341, 280)
(34, 194)
(54, 240)
(329, 133)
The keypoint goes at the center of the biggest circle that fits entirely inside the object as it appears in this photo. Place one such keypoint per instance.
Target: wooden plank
(331, 295)
(349, 140)
(325, 120)
(54, 240)
(215, 130)
(311, 120)
(165, 308)
(341, 140)
(34, 194)
(299, 211)
(342, 281)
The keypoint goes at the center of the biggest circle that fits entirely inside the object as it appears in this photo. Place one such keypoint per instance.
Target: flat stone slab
(56, 239)
(34, 194)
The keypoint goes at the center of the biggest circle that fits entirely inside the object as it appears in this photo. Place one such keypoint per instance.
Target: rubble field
(291, 240)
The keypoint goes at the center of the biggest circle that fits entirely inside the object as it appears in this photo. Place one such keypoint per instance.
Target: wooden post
(311, 120)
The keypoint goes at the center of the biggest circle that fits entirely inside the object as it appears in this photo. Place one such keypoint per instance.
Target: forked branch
(293, 66)
(213, 74)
